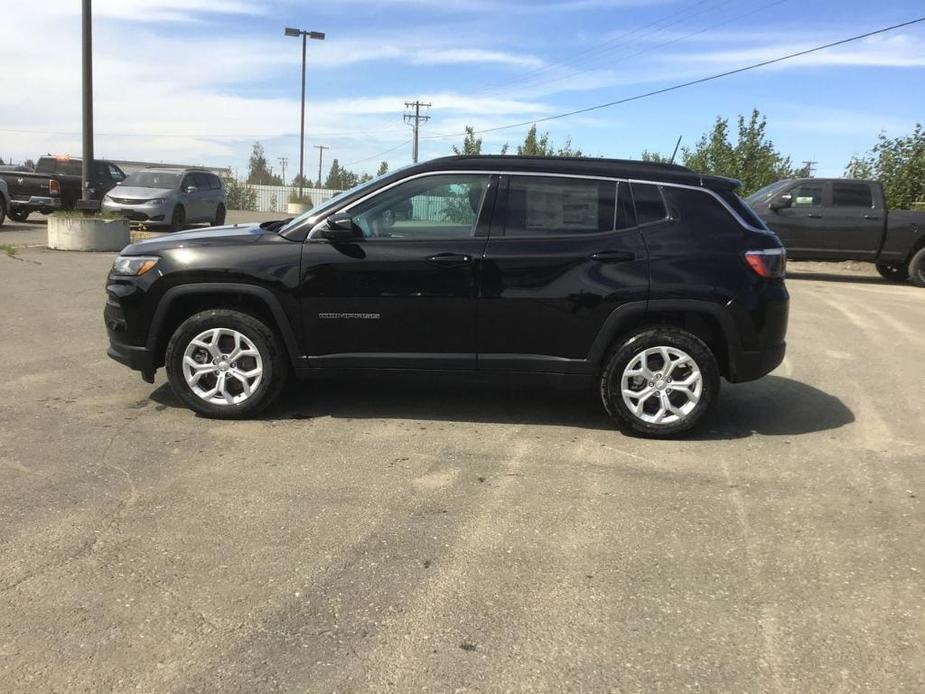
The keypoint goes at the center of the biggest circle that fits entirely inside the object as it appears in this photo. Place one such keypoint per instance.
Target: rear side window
(549, 206)
(201, 181)
(650, 205)
(742, 209)
(214, 182)
(851, 195)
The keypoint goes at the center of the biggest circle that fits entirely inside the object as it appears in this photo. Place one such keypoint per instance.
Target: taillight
(54, 188)
(769, 263)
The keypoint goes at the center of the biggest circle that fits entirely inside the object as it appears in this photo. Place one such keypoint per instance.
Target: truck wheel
(917, 268)
(660, 382)
(219, 216)
(178, 218)
(225, 364)
(18, 215)
(2, 211)
(893, 271)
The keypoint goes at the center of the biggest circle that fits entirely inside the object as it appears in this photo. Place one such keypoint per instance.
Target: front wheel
(893, 271)
(225, 364)
(219, 216)
(18, 215)
(2, 211)
(659, 382)
(178, 218)
(917, 268)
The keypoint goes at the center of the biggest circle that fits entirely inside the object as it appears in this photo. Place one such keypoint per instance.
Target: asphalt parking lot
(370, 535)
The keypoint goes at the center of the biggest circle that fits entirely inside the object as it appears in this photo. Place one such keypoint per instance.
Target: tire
(208, 339)
(18, 215)
(687, 402)
(219, 216)
(917, 268)
(2, 211)
(894, 272)
(178, 218)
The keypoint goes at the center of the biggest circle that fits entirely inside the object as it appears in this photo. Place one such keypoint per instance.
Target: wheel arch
(179, 303)
(708, 321)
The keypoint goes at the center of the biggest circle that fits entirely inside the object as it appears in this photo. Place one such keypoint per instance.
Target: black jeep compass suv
(647, 280)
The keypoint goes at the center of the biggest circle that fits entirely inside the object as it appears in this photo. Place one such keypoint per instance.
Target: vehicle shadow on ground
(773, 406)
(853, 279)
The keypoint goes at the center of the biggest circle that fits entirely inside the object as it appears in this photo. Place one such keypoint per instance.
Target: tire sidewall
(264, 339)
(917, 268)
(220, 213)
(178, 218)
(627, 350)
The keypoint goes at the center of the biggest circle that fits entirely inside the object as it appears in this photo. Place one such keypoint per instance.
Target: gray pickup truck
(842, 219)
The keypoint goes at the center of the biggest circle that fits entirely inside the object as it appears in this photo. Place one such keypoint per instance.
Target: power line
(690, 83)
(379, 154)
(414, 119)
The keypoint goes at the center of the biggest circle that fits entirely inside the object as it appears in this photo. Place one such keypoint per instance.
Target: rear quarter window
(650, 205)
(701, 213)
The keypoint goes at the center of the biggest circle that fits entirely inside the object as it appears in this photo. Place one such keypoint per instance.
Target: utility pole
(808, 167)
(282, 162)
(88, 185)
(320, 149)
(414, 119)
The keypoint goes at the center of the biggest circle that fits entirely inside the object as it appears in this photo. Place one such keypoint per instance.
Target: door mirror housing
(340, 227)
(781, 202)
(191, 189)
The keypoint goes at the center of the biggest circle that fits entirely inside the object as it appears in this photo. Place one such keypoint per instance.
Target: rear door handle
(814, 216)
(613, 256)
(450, 259)
(871, 216)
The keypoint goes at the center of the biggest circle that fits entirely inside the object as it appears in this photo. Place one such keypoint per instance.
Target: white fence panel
(275, 198)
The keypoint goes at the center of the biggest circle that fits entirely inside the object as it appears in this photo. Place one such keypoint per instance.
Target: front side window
(115, 172)
(442, 206)
(851, 195)
(151, 179)
(549, 206)
(807, 194)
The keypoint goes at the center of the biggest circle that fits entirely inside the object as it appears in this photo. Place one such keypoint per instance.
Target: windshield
(332, 203)
(766, 192)
(152, 179)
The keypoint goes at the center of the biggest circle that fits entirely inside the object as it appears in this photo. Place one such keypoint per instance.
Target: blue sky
(199, 80)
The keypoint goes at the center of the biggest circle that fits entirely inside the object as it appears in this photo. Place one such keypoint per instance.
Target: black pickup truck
(55, 185)
(841, 219)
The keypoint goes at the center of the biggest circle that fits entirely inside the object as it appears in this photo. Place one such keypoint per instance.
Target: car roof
(586, 166)
(171, 169)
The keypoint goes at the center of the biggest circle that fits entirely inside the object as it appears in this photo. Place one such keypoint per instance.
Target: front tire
(178, 218)
(893, 272)
(225, 364)
(917, 268)
(659, 382)
(2, 211)
(18, 215)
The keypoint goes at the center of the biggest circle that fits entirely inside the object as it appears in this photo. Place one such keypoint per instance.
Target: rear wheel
(2, 211)
(896, 272)
(219, 216)
(917, 268)
(18, 215)
(225, 364)
(659, 382)
(178, 219)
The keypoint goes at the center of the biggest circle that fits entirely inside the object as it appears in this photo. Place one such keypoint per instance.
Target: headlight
(156, 201)
(133, 265)
(107, 197)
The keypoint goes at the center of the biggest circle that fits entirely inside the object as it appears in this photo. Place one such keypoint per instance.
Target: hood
(139, 193)
(213, 236)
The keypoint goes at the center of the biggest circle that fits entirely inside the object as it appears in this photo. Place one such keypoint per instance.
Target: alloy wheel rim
(222, 366)
(661, 385)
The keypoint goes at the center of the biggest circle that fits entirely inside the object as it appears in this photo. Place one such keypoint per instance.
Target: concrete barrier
(74, 232)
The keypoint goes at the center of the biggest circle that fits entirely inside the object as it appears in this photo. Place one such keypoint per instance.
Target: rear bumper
(36, 202)
(749, 366)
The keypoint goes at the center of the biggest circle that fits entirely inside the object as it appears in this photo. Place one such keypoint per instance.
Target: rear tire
(225, 364)
(18, 215)
(917, 268)
(659, 382)
(178, 218)
(2, 211)
(219, 216)
(893, 271)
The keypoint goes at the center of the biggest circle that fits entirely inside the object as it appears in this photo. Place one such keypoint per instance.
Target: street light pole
(87, 177)
(305, 36)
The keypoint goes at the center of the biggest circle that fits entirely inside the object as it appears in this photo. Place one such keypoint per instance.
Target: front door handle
(871, 216)
(613, 256)
(813, 215)
(450, 259)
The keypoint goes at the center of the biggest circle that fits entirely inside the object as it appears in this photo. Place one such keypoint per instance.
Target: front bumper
(149, 214)
(134, 356)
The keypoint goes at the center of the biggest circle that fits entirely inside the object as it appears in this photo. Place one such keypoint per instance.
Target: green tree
(535, 145)
(305, 182)
(258, 172)
(653, 157)
(238, 196)
(383, 168)
(2, 163)
(753, 158)
(472, 145)
(340, 178)
(899, 164)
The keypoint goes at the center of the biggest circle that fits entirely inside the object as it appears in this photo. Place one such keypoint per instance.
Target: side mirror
(340, 227)
(781, 202)
(191, 189)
